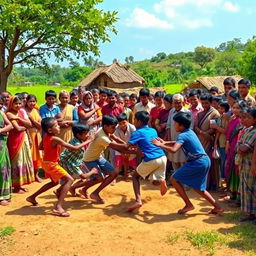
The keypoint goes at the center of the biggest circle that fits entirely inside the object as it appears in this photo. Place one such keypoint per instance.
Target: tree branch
(27, 57)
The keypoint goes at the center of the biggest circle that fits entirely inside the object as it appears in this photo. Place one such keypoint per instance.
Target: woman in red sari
(18, 145)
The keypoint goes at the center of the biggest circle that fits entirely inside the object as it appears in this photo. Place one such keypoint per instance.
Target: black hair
(121, 117)
(241, 103)
(216, 98)
(1, 98)
(31, 96)
(214, 89)
(79, 129)
(229, 81)
(246, 82)
(144, 92)
(142, 116)
(50, 93)
(200, 92)
(206, 96)
(234, 94)
(103, 91)
(94, 90)
(183, 118)
(17, 97)
(133, 95)
(124, 94)
(47, 123)
(225, 105)
(159, 94)
(193, 93)
(168, 98)
(109, 120)
(252, 112)
(245, 110)
(73, 93)
(111, 93)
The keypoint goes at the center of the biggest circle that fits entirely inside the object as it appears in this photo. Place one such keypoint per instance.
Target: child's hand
(213, 126)
(94, 171)
(156, 142)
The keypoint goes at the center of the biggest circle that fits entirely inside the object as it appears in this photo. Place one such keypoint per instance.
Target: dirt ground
(94, 229)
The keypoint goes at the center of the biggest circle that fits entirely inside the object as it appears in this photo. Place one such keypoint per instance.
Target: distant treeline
(229, 58)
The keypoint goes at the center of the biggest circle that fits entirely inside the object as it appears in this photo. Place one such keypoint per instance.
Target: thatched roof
(209, 82)
(117, 72)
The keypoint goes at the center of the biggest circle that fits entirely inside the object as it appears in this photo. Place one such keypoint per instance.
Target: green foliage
(77, 73)
(6, 231)
(247, 65)
(174, 88)
(204, 55)
(33, 30)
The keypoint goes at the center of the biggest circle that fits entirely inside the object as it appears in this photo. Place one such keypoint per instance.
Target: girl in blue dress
(195, 171)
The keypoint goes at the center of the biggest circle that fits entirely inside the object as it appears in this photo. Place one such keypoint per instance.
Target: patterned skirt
(5, 171)
(22, 166)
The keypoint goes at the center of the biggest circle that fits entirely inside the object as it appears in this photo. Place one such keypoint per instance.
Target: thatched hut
(208, 82)
(113, 76)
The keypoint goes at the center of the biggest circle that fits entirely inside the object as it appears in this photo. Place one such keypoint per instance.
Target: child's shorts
(119, 161)
(53, 170)
(104, 167)
(154, 168)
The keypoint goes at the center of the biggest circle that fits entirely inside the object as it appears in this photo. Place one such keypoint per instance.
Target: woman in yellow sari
(70, 117)
(34, 133)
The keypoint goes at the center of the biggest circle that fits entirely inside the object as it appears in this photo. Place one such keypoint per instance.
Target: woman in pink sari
(22, 170)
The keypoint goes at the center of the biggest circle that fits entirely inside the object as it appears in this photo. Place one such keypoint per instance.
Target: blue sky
(146, 27)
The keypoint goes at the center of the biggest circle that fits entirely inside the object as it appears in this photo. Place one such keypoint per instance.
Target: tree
(203, 55)
(129, 59)
(235, 44)
(33, 30)
(247, 65)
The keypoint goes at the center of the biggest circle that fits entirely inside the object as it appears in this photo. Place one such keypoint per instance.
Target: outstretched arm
(171, 146)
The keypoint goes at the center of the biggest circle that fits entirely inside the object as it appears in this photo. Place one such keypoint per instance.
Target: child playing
(153, 161)
(93, 159)
(195, 171)
(18, 146)
(124, 131)
(5, 166)
(71, 160)
(52, 145)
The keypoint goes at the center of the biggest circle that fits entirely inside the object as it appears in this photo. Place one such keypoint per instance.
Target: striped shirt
(71, 159)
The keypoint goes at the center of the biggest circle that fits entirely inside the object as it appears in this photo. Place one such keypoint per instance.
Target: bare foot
(4, 202)
(72, 191)
(186, 209)
(84, 193)
(163, 187)
(135, 206)
(32, 201)
(216, 211)
(18, 191)
(97, 199)
(113, 183)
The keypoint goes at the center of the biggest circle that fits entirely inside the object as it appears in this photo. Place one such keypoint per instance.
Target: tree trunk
(3, 81)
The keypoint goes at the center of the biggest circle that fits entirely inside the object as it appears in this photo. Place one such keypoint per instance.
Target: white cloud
(197, 23)
(143, 19)
(230, 7)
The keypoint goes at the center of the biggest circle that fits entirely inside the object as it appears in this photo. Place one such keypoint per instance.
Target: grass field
(174, 88)
(38, 90)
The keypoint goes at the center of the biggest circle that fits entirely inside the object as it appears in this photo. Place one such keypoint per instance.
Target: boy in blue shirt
(195, 171)
(153, 161)
(50, 109)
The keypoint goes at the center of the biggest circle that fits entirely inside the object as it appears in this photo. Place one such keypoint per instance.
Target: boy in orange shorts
(53, 170)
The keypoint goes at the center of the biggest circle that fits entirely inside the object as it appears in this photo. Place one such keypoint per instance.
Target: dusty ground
(107, 229)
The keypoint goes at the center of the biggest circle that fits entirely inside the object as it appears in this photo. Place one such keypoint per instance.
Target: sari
(231, 170)
(66, 133)
(20, 155)
(247, 186)
(35, 136)
(5, 166)
(203, 123)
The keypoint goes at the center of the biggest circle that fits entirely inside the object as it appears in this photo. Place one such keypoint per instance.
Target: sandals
(216, 211)
(60, 214)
